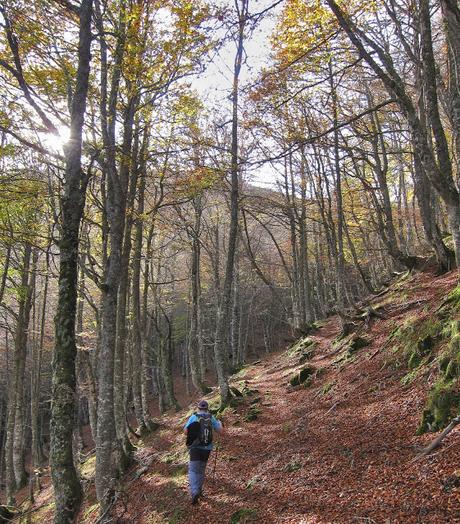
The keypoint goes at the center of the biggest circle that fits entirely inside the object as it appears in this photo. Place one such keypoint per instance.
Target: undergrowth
(420, 344)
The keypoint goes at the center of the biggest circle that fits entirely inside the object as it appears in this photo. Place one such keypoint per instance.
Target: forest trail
(338, 451)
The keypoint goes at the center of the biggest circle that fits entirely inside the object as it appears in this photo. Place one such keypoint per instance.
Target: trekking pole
(215, 462)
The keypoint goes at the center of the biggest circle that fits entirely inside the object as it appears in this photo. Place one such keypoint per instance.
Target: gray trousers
(197, 469)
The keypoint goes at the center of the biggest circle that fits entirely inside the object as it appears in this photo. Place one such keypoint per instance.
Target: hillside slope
(337, 449)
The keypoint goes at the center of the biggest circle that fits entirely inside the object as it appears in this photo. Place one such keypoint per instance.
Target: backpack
(199, 433)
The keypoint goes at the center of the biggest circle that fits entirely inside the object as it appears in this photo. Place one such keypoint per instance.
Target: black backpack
(199, 433)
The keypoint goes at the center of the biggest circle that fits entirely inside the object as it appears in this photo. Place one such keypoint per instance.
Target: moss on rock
(302, 376)
(453, 299)
(236, 392)
(301, 347)
(327, 388)
(252, 413)
(416, 340)
(442, 405)
(349, 349)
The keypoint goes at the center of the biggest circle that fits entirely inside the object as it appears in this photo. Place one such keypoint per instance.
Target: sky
(214, 84)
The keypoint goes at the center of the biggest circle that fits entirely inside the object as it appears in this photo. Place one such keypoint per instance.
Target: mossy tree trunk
(129, 178)
(67, 489)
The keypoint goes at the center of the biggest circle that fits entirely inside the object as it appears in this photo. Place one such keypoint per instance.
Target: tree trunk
(195, 338)
(221, 342)
(66, 484)
(14, 461)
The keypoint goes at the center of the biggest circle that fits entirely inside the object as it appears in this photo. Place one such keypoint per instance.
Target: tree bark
(66, 484)
(222, 333)
(14, 460)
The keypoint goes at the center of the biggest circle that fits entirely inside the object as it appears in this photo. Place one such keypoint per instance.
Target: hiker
(199, 429)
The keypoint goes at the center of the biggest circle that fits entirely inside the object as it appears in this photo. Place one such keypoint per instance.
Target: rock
(302, 376)
(7, 513)
(236, 392)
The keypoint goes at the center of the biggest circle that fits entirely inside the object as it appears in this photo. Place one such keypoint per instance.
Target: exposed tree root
(437, 441)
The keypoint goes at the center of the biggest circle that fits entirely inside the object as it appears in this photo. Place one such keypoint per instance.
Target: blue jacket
(216, 425)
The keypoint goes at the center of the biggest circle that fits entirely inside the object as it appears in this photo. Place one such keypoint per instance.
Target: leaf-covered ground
(338, 451)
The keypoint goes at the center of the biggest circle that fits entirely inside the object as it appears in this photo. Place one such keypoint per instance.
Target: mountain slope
(337, 449)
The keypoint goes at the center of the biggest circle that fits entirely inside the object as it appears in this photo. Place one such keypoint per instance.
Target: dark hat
(202, 404)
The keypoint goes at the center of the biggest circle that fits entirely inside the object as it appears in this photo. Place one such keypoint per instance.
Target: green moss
(357, 343)
(178, 457)
(252, 413)
(301, 347)
(88, 468)
(345, 357)
(350, 348)
(248, 392)
(327, 387)
(455, 327)
(414, 360)
(416, 340)
(293, 465)
(453, 299)
(410, 377)
(44, 513)
(214, 404)
(226, 411)
(426, 422)
(236, 392)
(234, 370)
(91, 511)
(307, 355)
(243, 516)
(449, 360)
(251, 483)
(443, 404)
(300, 377)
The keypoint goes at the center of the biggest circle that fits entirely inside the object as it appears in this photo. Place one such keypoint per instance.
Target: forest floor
(338, 451)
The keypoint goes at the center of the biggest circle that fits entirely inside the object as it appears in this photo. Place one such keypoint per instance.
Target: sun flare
(57, 142)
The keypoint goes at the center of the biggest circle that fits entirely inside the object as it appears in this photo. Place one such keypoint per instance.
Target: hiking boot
(195, 499)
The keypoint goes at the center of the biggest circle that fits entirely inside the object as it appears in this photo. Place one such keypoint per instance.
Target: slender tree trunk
(14, 473)
(140, 407)
(112, 453)
(221, 342)
(36, 452)
(123, 289)
(195, 340)
(22, 343)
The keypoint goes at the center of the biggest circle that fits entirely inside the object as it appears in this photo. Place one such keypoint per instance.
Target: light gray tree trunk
(222, 333)
(15, 474)
(195, 341)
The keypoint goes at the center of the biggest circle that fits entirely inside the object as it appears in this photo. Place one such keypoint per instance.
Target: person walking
(199, 430)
